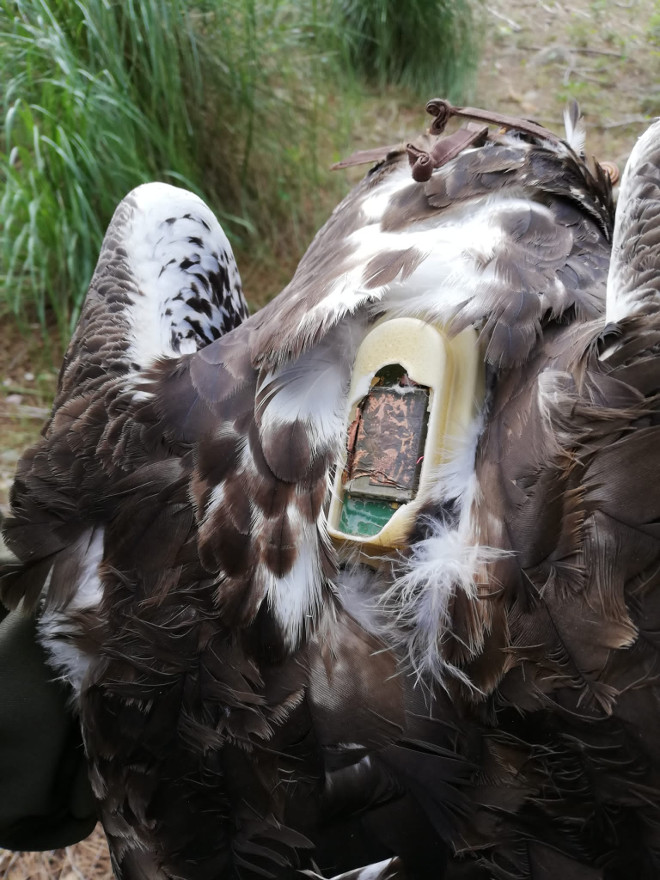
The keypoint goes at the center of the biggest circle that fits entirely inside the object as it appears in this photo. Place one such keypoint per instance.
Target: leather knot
(442, 111)
(444, 150)
(422, 163)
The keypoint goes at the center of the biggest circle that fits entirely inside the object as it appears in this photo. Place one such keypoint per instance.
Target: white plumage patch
(576, 132)
(458, 270)
(419, 599)
(216, 500)
(295, 599)
(450, 264)
(443, 270)
(375, 205)
(57, 628)
(178, 253)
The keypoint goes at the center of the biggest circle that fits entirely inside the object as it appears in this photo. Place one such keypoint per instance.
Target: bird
(363, 585)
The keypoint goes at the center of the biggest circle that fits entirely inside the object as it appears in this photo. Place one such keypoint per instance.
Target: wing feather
(632, 284)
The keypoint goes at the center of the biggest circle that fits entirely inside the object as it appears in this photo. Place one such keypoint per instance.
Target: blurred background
(248, 103)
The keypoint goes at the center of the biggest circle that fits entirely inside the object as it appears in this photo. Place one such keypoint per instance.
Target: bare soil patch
(539, 54)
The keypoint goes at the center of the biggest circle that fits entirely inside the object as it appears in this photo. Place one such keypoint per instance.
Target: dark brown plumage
(482, 704)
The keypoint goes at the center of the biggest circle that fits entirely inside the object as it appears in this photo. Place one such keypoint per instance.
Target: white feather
(295, 599)
(56, 628)
(576, 131)
(216, 500)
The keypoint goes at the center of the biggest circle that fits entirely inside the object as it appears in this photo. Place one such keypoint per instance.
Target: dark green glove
(45, 798)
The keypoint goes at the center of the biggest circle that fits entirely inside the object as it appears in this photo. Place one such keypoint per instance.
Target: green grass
(430, 47)
(102, 96)
(83, 123)
(244, 101)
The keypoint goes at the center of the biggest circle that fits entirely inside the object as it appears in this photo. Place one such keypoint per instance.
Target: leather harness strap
(442, 111)
(447, 147)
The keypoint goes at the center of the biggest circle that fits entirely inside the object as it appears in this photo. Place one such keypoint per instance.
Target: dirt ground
(537, 55)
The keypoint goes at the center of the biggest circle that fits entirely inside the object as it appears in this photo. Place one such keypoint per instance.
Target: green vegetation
(243, 101)
(429, 46)
(85, 119)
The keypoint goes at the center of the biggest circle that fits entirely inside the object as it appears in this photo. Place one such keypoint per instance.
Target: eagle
(364, 585)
